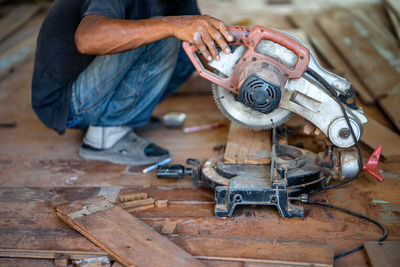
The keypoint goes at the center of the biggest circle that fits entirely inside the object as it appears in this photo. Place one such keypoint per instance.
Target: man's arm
(99, 35)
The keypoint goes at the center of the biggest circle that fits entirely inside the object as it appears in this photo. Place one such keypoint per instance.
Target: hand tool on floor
(268, 77)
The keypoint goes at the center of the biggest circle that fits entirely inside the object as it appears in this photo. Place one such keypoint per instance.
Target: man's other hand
(204, 31)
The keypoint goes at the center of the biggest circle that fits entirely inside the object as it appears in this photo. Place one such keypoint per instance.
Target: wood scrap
(61, 260)
(122, 235)
(168, 228)
(383, 254)
(133, 196)
(391, 105)
(330, 53)
(136, 203)
(143, 207)
(246, 146)
(376, 134)
(161, 203)
(377, 75)
(16, 18)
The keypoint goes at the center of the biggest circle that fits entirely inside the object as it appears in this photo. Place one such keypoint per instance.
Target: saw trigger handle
(251, 38)
(372, 164)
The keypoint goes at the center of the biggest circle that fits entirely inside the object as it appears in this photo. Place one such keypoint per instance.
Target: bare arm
(99, 35)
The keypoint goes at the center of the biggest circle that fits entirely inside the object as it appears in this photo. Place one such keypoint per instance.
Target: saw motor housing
(266, 79)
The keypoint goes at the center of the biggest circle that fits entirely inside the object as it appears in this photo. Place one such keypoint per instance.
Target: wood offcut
(121, 235)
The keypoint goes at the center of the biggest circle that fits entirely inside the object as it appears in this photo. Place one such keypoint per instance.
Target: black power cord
(384, 230)
(333, 93)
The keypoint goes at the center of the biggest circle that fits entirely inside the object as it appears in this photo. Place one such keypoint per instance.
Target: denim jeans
(123, 89)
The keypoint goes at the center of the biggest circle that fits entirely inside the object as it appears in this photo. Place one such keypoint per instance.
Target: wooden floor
(38, 168)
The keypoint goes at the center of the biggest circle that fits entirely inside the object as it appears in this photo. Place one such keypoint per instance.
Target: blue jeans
(123, 89)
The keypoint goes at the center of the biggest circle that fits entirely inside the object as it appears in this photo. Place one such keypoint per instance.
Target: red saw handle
(372, 164)
(251, 37)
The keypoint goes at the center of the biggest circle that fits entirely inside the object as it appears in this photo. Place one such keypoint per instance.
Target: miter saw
(268, 77)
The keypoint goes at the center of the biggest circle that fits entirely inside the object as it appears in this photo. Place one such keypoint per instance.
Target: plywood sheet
(383, 254)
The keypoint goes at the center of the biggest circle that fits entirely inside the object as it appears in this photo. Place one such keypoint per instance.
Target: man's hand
(204, 31)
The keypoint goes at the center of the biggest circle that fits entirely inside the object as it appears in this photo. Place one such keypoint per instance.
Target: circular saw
(270, 75)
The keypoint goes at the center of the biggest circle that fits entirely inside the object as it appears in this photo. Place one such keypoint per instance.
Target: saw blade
(245, 115)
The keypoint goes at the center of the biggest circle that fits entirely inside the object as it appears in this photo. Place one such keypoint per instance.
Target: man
(104, 65)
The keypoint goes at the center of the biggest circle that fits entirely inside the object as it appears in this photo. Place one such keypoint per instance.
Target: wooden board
(376, 134)
(391, 105)
(393, 9)
(380, 37)
(16, 18)
(330, 53)
(17, 55)
(376, 73)
(121, 235)
(257, 250)
(383, 254)
(245, 146)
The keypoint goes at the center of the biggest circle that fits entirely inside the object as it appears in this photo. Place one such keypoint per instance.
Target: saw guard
(251, 37)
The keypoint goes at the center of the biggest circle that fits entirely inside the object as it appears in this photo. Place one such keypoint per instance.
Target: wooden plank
(133, 196)
(376, 134)
(383, 254)
(393, 9)
(136, 203)
(16, 18)
(121, 235)
(391, 105)
(380, 37)
(17, 55)
(245, 146)
(48, 254)
(330, 53)
(376, 73)
(257, 250)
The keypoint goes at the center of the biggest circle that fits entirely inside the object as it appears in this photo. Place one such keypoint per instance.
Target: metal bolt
(254, 58)
(344, 133)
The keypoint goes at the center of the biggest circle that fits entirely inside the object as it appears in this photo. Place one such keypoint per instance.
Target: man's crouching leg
(127, 89)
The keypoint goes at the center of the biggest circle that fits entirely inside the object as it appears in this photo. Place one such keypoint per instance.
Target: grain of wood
(161, 203)
(123, 236)
(245, 146)
(393, 9)
(168, 228)
(136, 203)
(16, 18)
(257, 250)
(377, 75)
(391, 105)
(133, 196)
(143, 207)
(376, 134)
(383, 254)
(48, 254)
(330, 54)
(17, 55)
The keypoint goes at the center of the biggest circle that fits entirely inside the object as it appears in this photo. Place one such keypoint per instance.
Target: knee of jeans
(168, 48)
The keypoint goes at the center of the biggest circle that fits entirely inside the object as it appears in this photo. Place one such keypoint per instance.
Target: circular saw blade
(246, 116)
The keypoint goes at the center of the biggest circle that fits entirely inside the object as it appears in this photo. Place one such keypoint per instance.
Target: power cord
(384, 230)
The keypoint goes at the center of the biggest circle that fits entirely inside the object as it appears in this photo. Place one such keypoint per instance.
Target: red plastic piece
(372, 164)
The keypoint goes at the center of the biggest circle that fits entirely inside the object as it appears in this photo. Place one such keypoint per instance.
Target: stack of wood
(139, 201)
(360, 44)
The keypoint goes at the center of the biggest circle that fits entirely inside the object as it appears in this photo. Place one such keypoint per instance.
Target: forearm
(99, 35)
